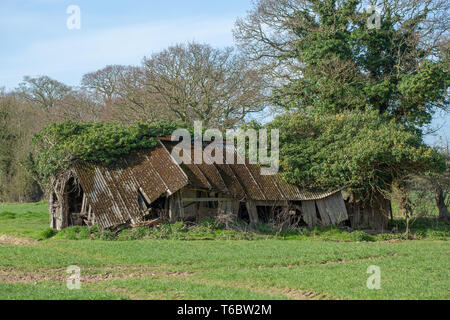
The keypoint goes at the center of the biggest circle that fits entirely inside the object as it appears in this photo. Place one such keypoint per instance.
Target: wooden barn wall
(373, 213)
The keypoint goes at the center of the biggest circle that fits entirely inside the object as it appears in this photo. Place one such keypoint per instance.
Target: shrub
(48, 233)
(361, 236)
(350, 150)
(438, 235)
(264, 228)
(138, 233)
(74, 233)
(389, 236)
(108, 235)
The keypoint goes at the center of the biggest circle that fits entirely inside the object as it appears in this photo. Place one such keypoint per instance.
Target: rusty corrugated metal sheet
(244, 181)
(112, 191)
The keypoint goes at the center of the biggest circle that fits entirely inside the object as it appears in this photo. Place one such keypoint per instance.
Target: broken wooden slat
(309, 213)
(324, 217)
(146, 197)
(149, 223)
(83, 204)
(228, 207)
(336, 209)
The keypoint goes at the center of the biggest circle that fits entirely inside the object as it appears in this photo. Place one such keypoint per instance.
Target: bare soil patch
(10, 240)
(11, 275)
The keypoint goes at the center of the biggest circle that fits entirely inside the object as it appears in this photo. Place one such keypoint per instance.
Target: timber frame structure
(149, 186)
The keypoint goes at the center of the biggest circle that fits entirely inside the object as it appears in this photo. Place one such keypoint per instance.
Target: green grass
(185, 255)
(31, 220)
(185, 289)
(417, 271)
(424, 228)
(321, 262)
(259, 269)
(52, 291)
(28, 220)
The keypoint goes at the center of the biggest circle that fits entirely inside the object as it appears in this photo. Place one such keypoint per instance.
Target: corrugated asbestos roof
(112, 191)
(243, 181)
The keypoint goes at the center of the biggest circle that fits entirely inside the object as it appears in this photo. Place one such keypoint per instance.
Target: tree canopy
(355, 96)
(335, 60)
(360, 151)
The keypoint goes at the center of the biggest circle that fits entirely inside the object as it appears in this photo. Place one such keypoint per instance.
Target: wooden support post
(252, 212)
(90, 216)
(176, 209)
(83, 204)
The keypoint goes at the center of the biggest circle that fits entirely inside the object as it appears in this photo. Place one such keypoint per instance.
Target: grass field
(264, 268)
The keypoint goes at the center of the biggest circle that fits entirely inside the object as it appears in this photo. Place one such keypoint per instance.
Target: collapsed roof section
(113, 190)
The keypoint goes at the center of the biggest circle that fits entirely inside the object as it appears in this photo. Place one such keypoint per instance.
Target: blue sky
(36, 40)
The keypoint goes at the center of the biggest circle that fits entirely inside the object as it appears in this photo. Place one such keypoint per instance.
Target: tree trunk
(440, 202)
(404, 207)
(407, 227)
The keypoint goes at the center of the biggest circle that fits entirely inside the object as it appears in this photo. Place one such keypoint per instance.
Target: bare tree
(43, 91)
(198, 82)
(442, 190)
(106, 81)
(124, 96)
(429, 187)
(78, 105)
(134, 102)
(440, 184)
(268, 36)
(182, 83)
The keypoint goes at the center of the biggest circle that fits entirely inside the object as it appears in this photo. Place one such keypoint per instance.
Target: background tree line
(182, 83)
(352, 102)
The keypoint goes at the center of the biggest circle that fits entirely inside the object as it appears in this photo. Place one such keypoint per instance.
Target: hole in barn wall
(243, 213)
(74, 194)
(265, 213)
(157, 209)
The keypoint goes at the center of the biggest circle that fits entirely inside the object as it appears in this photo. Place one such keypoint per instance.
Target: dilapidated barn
(149, 185)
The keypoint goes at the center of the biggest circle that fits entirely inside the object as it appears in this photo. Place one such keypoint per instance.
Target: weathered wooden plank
(309, 212)
(252, 212)
(206, 199)
(339, 201)
(334, 209)
(331, 210)
(325, 218)
(149, 223)
(176, 209)
(84, 204)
